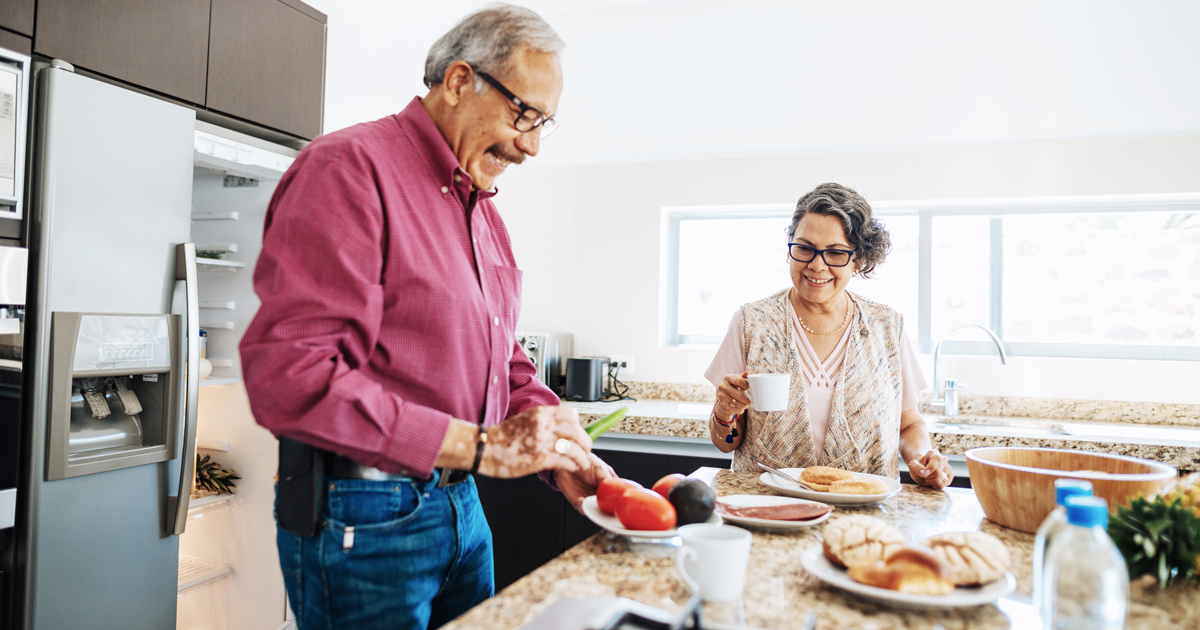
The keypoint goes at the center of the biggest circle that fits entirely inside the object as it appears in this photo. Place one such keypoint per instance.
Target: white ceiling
(675, 79)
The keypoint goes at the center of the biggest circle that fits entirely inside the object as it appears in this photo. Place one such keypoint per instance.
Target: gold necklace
(844, 321)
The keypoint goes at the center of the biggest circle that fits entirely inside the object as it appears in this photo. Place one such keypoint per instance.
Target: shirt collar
(425, 137)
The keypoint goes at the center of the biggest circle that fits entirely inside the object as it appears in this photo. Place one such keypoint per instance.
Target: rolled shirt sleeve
(730, 357)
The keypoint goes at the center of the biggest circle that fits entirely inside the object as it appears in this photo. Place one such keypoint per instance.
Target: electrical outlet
(624, 361)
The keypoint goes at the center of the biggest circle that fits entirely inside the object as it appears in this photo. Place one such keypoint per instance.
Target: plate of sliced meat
(772, 512)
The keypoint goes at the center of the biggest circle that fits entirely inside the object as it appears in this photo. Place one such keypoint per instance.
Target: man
(386, 336)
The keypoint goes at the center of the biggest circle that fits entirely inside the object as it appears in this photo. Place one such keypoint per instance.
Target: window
(1102, 277)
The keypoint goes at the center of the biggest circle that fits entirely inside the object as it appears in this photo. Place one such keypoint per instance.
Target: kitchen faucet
(949, 399)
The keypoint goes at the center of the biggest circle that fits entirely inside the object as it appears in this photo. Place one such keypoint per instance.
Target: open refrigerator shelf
(214, 264)
(197, 572)
(228, 380)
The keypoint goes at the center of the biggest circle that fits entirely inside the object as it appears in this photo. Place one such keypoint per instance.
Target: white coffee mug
(713, 560)
(769, 392)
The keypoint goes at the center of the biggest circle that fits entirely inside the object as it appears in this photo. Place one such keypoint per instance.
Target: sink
(991, 429)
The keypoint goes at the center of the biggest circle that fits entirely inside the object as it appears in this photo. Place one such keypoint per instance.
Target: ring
(562, 445)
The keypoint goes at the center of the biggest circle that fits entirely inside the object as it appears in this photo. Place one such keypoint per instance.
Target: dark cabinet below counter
(532, 524)
(160, 45)
(266, 64)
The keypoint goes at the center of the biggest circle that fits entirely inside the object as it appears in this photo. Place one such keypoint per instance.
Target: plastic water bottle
(1054, 523)
(1085, 583)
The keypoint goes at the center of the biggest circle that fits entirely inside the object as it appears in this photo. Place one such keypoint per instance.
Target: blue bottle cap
(1087, 511)
(1064, 488)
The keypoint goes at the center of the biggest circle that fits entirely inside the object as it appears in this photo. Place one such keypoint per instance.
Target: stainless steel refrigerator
(110, 205)
(111, 360)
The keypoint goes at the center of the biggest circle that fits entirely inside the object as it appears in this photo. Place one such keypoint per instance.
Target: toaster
(549, 353)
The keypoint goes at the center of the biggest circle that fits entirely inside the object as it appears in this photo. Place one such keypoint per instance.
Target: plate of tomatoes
(625, 507)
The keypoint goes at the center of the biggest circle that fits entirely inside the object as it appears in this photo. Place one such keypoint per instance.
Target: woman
(853, 398)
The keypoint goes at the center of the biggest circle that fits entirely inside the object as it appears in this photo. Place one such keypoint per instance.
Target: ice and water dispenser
(115, 384)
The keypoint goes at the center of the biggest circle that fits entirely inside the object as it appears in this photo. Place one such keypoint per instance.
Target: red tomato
(608, 495)
(645, 510)
(663, 486)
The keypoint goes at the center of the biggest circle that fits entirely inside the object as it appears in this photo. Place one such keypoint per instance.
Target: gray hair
(486, 39)
(864, 232)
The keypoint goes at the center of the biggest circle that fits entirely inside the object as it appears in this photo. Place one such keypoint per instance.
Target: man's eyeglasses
(832, 257)
(530, 117)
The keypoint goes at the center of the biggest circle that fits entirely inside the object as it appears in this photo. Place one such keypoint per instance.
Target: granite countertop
(779, 593)
(1176, 445)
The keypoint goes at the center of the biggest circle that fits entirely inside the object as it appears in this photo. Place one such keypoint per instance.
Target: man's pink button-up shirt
(390, 297)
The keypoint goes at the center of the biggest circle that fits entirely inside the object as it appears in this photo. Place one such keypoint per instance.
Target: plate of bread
(870, 558)
(833, 485)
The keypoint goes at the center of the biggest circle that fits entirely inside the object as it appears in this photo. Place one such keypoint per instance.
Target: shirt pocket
(506, 297)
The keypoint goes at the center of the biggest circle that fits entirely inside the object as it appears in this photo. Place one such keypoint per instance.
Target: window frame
(928, 211)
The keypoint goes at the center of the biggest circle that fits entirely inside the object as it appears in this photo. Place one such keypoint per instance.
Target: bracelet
(732, 421)
(732, 426)
(479, 448)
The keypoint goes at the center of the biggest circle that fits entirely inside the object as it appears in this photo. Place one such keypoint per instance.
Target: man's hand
(579, 485)
(529, 442)
(931, 469)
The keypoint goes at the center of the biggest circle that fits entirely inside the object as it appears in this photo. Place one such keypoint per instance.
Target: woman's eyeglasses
(832, 257)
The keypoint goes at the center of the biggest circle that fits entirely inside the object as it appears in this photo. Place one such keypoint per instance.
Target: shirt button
(494, 379)
(458, 178)
(496, 321)
(445, 189)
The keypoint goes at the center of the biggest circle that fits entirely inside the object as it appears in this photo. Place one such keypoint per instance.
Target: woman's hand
(931, 469)
(732, 396)
(732, 400)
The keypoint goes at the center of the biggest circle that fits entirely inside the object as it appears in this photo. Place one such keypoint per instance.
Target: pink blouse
(820, 376)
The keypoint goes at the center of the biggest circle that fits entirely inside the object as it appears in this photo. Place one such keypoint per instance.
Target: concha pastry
(819, 477)
(909, 570)
(859, 539)
(974, 557)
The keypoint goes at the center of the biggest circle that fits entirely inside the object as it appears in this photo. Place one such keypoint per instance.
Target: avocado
(693, 500)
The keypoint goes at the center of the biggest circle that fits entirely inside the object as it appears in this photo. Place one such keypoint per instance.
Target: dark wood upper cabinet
(266, 64)
(16, 43)
(161, 45)
(17, 15)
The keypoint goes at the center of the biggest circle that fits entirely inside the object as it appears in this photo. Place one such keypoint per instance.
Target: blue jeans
(417, 557)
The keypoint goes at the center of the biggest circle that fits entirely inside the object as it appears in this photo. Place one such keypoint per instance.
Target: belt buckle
(451, 477)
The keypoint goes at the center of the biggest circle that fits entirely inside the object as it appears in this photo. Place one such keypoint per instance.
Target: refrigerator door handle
(185, 270)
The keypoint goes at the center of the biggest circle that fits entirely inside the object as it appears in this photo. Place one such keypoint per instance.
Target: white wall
(672, 79)
(900, 100)
(588, 238)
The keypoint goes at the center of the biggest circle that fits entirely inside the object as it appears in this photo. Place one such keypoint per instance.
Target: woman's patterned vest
(864, 420)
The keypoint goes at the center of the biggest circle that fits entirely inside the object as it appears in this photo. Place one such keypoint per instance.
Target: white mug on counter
(769, 392)
(713, 560)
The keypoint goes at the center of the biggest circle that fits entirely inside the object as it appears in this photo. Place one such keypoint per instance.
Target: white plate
(814, 561)
(610, 522)
(791, 489)
(759, 500)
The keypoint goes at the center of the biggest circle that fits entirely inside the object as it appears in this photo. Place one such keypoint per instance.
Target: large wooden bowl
(1015, 485)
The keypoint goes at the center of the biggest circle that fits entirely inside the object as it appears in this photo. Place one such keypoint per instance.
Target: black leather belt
(342, 467)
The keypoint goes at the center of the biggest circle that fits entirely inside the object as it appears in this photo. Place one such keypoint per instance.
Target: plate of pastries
(833, 485)
(871, 558)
